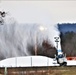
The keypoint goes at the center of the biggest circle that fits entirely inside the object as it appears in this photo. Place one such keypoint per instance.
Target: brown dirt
(39, 71)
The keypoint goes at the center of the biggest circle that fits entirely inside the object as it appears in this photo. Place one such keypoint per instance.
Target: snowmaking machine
(60, 57)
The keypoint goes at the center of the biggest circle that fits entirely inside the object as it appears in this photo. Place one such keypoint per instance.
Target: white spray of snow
(14, 37)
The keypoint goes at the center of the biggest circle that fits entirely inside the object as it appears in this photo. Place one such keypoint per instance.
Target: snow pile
(71, 62)
(28, 61)
(32, 61)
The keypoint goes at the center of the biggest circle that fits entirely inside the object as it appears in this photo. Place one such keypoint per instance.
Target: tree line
(68, 43)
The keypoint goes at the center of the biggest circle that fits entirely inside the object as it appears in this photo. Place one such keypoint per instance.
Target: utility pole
(41, 28)
(35, 43)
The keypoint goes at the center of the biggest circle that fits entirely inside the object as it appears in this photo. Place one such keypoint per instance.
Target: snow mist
(15, 37)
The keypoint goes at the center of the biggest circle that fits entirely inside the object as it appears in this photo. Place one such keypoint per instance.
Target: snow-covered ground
(31, 61)
(27, 61)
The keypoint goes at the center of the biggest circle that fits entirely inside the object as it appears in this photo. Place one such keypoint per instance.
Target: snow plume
(15, 37)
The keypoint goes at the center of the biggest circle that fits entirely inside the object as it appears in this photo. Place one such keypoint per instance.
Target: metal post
(5, 71)
(31, 61)
(16, 61)
(47, 61)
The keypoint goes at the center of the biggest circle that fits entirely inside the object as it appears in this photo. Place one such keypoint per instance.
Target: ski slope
(31, 61)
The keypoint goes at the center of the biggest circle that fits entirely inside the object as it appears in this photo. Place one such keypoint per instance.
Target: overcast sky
(41, 11)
